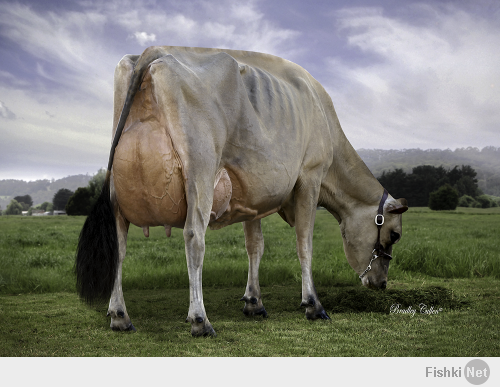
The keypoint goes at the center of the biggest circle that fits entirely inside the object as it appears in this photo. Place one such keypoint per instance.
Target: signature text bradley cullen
(396, 309)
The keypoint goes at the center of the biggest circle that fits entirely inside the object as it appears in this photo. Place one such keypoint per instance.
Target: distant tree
(14, 208)
(95, 185)
(26, 199)
(466, 201)
(424, 179)
(416, 186)
(395, 182)
(445, 198)
(61, 198)
(44, 206)
(484, 201)
(80, 202)
(464, 180)
(467, 186)
(485, 162)
(0, 210)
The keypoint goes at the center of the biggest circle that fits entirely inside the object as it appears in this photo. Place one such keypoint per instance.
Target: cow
(211, 137)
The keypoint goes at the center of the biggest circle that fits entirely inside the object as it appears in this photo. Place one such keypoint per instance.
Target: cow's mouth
(366, 281)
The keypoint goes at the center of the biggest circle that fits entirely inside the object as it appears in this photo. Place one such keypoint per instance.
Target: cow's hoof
(255, 312)
(129, 328)
(202, 327)
(315, 314)
(120, 321)
(253, 307)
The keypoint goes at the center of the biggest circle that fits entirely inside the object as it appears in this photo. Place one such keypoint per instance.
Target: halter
(379, 221)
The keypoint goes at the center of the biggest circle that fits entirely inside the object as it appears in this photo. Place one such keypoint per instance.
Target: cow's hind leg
(120, 320)
(254, 243)
(306, 195)
(198, 215)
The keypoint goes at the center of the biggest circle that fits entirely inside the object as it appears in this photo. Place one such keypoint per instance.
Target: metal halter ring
(376, 220)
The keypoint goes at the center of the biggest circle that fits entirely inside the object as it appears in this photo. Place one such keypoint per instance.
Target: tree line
(39, 190)
(437, 187)
(84, 198)
(73, 203)
(25, 203)
(486, 162)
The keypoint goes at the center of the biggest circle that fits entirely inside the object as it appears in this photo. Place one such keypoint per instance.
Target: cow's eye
(395, 237)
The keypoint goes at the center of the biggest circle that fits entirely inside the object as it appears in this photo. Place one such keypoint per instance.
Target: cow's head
(360, 235)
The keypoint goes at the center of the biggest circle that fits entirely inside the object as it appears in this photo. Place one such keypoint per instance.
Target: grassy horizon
(37, 253)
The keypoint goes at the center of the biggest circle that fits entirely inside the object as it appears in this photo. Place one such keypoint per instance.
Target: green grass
(450, 244)
(57, 324)
(37, 253)
(447, 260)
(459, 210)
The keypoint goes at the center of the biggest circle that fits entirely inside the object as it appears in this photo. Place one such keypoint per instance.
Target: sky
(401, 74)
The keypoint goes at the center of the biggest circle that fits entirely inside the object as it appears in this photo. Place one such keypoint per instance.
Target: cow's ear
(399, 207)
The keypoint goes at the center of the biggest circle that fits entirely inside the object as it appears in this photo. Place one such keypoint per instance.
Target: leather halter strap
(378, 250)
(379, 219)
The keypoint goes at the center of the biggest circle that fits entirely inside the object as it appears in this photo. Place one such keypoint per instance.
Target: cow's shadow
(362, 300)
(162, 311)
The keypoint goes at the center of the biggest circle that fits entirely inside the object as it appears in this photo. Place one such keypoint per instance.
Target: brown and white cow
(211, 137)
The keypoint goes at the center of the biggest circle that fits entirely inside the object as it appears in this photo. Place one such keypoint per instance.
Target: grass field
(445, 260)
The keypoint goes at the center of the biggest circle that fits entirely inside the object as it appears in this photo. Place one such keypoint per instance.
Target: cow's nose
(383, 285)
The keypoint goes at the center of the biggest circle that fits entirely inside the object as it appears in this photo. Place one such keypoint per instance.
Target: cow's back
(271, 126)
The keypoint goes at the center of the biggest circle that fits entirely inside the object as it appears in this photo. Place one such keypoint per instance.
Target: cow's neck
(349, 184)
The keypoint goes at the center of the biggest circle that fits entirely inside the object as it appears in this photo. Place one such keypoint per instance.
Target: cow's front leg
(305, 214)
(120, 320)
(254, 243)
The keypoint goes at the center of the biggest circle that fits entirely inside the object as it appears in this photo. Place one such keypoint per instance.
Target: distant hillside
(486, 162)
(39, 190)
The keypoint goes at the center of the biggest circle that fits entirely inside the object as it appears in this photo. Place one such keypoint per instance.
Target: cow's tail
(97, 254)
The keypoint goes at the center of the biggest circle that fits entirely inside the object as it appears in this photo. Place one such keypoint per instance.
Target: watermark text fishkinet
(410, 310)
(476, 372)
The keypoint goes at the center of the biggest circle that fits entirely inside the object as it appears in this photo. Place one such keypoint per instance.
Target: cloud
(66, 43)
(6, 77)
(430, 84)
(223, 24)
(6, 113)
(76, 51)
(59, 76)
(143, 38)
